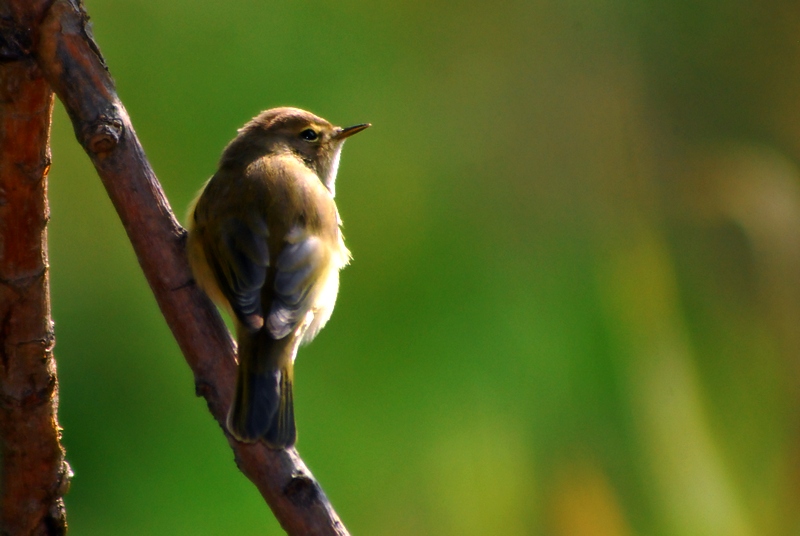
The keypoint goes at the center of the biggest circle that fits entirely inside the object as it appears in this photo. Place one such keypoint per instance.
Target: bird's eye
(309, 134)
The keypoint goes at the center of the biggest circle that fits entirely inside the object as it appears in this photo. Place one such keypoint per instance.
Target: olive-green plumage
(265, 244)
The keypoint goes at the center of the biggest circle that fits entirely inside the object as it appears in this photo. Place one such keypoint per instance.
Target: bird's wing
(240, 258)
(297, 270)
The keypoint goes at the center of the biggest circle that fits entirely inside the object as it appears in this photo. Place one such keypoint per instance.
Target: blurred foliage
(574, 303)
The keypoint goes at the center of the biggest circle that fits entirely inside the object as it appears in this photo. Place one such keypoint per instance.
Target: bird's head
(311, 138)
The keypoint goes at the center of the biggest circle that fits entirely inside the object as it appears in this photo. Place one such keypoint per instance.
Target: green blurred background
(574, 305)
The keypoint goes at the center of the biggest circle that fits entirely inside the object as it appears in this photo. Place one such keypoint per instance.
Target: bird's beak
(342, 133)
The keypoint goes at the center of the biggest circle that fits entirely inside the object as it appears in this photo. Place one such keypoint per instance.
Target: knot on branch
(31, 398)
(302, 490)
(103, 134)
(204, 389)
(65, 475)
(56, 519)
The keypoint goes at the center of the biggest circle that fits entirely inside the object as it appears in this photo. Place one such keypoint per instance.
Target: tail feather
(263, 405)
(282, 432)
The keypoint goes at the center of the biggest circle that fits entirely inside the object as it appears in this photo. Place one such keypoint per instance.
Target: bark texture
(34, 475)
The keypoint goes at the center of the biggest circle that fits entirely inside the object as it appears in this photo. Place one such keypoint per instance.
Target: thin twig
(73, 65)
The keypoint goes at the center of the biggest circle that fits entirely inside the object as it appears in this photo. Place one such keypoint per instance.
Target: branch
(34, 474)
(73, 65)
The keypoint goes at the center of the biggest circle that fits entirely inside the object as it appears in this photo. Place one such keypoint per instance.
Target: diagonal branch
(71, 62)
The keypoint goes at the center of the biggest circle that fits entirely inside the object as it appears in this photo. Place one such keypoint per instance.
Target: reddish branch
(75, 69)
(34, 473)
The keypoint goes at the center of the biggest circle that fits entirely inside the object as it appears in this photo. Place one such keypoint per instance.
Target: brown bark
(75, 69)
(34, 475)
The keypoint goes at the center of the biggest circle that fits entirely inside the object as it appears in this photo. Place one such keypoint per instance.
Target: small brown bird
(265, 244)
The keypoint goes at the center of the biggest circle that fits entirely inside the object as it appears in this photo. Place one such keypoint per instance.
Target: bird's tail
(263, 406)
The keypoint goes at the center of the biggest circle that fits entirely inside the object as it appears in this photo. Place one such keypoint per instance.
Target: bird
(265, 244)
